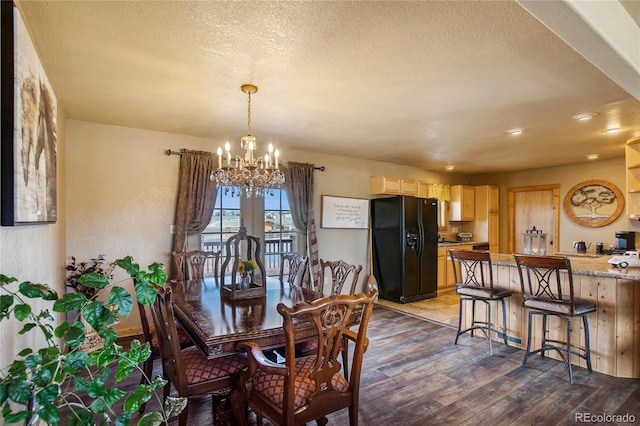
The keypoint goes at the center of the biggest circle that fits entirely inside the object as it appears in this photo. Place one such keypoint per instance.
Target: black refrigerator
(405, 247)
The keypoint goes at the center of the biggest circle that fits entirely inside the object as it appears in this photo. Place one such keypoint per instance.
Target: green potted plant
(60, 377)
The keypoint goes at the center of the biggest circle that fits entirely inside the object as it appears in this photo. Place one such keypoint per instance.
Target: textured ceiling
(428, 84)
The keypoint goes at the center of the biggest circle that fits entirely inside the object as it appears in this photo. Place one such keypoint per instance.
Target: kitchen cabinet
(445, 266)
(486, 225)
(392, 185)
(632, 156)
(462, 205)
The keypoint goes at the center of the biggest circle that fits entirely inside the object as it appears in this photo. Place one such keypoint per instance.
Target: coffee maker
(626, 240)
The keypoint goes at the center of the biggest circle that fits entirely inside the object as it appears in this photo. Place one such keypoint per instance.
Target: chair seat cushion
(483, 292)
(272, 385)
(200, 369)
(560, 307)
(183, 337)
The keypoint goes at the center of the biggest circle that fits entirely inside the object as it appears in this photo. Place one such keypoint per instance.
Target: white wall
(34, 253)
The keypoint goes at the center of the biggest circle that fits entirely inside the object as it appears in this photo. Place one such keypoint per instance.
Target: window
(280, 235)
(225, 222)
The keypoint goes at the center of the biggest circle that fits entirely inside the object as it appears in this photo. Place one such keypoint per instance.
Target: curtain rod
(172, 152)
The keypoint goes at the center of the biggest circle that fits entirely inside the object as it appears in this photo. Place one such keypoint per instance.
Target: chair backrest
(472, 268)
(168, 340)
(546, 278)
(332, 316)
(340, 272)
(190, 265)
(296, 266)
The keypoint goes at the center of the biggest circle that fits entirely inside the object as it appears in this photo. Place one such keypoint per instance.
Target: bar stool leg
(473, 315)
(544, 332)
(569, 349)
(504, 322)
(528, 352)
(462, 299)
(488, 327)
(587, 344)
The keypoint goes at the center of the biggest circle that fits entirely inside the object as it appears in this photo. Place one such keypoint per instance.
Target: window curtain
(440, 191)
(299, 188)
(196, 197)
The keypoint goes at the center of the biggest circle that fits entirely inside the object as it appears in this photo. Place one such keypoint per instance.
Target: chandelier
(249, 174)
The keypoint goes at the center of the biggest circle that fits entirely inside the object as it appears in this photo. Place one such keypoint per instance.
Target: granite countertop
(458, 243)
(582, 264)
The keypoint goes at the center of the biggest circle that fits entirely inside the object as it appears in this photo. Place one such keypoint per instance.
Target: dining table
(217, 324)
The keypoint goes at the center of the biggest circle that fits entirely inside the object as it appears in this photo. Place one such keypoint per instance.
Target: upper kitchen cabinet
(462, 206)
(486, 225)
(392, 185)
(633, 178)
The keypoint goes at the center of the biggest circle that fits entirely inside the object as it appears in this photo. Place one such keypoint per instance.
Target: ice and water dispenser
(534, 241)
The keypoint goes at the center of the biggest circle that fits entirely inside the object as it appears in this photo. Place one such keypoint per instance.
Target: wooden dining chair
(308, 388)
(296, 266)
(151, 336)
(188, 370)
(190, 265)
(340, 272)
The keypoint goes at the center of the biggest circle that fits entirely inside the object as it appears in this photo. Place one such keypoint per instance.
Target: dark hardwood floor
(414, 375)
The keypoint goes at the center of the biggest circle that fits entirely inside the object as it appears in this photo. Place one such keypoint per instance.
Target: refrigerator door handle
(420, 238)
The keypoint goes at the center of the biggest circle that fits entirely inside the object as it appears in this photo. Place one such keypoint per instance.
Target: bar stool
(544, 281)
(475, 283)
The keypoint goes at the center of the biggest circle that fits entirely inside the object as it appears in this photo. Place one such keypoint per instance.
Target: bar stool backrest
(472, 268)
(547, 279)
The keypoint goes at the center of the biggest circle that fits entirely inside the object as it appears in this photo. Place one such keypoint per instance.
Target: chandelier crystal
(249, 175)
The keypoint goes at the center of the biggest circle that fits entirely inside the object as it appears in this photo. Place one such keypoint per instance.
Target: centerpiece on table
(244, 269)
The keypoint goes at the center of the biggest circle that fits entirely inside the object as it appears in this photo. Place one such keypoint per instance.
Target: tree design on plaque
(594, 203)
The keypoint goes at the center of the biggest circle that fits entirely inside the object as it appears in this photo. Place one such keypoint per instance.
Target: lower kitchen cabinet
(445, 266)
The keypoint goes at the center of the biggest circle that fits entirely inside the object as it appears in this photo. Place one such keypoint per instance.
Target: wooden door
(537, 206)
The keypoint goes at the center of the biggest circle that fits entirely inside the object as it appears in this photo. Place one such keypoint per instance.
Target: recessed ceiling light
(612, 130)
(585, 116)
(516, 131)
(449, 167)
(592, 156)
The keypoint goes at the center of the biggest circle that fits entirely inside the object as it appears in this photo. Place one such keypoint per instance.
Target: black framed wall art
(29, 128)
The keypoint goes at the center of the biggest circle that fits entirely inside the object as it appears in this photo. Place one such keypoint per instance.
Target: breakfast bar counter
(614, 327)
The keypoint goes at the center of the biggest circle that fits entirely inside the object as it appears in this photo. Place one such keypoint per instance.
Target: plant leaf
(70, 302)
(7, 280)
(151, 419)
(93, 280)
(20, 391)
(6, 300)
(48, 394)
(22, 311)
(75, 361)
(121, 297)
(94, 314)
(142, 394)
(129, 266)
(35, 291)
(17, 417)
(145, 293)
(27, 327)
(174, 406)
(75, 335)
(49, 414)
(80, 417)
(123, 419)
